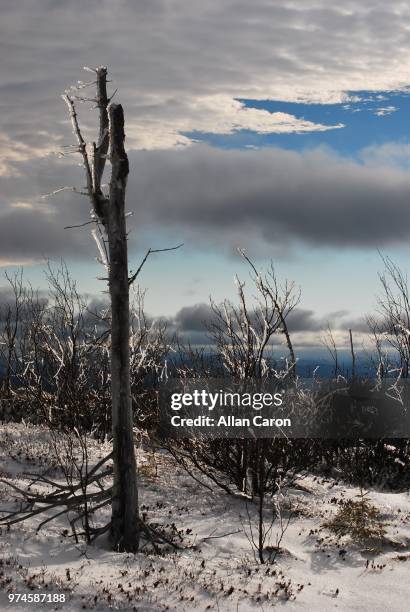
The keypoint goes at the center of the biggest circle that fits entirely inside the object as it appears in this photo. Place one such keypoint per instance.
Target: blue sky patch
(370, 119)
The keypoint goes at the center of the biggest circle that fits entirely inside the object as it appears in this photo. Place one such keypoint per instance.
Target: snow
(215, 568)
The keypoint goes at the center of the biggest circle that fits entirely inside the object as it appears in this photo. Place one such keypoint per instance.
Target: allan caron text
(206, 400)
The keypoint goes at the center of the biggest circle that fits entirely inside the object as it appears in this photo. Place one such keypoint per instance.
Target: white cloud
(387, 110)
(218, 114)
(10, 263)
(389, 154)
(180, 66)
(12, 151)
(22, 205)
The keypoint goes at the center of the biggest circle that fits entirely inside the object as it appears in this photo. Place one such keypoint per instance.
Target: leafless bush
(243, 333)
(260, 536)
(56, 355)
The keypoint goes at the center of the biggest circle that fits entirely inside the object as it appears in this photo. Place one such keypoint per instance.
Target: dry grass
(358, 519)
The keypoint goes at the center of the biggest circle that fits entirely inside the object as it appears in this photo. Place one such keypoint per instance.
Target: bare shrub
(359, 519)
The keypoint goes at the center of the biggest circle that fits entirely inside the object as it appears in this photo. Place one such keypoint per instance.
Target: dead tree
(108, 212)
(353, 355)
(10, 320)
(109, 218)
(328, 340)
(394, 310)
(243, 335)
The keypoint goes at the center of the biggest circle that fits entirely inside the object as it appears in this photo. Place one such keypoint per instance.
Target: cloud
(32, 228)
(8, 301)
(308, 330)
(38, 144)
(270, 199)
(387, 110)
(303, 320)
(12, 262)
(358, 325)
(390, 154)
(194, 318)
(218, 114)
(199, 317)
(30, 235)
(181, 66)
(7, 297)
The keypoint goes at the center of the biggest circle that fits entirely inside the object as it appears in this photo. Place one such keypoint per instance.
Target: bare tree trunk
(110, 212)
(353, 355)
(260, 446)
(124, 519)
(292, 369)
(12, 322)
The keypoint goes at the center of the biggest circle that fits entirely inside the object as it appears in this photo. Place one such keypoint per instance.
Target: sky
(280, 128)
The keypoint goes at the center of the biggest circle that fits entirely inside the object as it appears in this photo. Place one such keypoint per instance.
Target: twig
(222, 535)
(147, 254)
(81, 224)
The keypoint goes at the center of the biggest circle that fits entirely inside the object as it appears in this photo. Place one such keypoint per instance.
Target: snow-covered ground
(211, 571)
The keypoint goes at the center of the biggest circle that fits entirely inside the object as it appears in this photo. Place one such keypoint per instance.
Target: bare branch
(72, 189)
(81, 224)
(81, 142)
(147, 254)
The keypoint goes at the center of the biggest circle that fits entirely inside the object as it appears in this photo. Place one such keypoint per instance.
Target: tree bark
(110, 212)
(124, 518)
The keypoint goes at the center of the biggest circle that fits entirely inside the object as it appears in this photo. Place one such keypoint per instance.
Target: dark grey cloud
(31, 235)
(194, 318)
(8, 299)
(199, 318)
(303, 320)
(193, 323)
(267, 200)
(270, 197)
(32, 227)
(358, 325)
